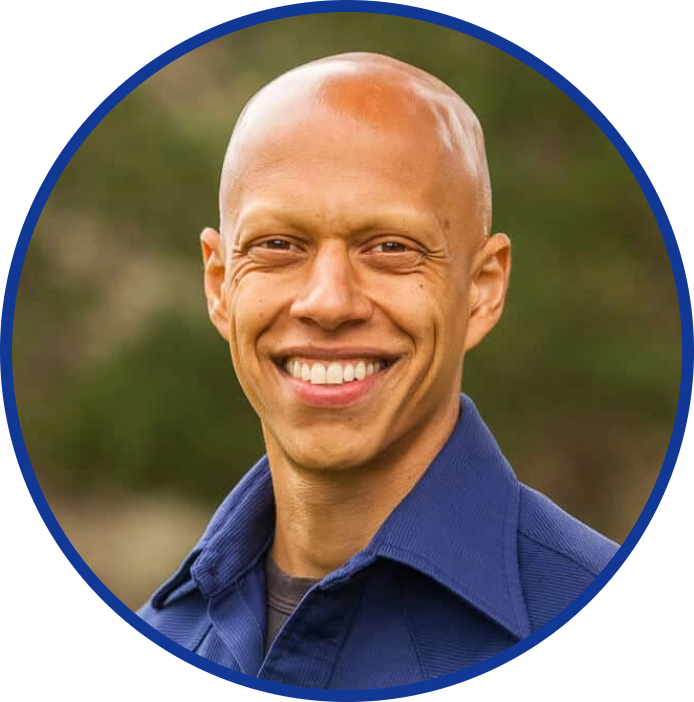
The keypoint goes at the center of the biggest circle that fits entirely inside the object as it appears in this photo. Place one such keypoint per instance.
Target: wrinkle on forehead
(377, 92)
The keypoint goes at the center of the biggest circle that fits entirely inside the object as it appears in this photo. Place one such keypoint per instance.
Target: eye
(391, 247)
(273, 245)
(277, 245)
(274, 251)
(394, 255)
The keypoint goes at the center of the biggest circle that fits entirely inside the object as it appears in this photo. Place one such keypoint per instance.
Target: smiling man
(384, 539)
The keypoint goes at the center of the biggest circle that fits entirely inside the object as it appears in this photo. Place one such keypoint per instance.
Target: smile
(333, 372)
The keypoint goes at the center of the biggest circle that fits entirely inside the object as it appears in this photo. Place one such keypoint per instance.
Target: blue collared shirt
(469, 563)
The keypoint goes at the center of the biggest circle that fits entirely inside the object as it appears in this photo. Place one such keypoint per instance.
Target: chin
(328, 459)
(331, 454)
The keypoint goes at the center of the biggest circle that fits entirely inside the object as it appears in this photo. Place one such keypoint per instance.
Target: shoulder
(558, 555)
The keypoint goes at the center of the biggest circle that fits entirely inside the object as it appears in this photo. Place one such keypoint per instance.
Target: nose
(331, 296)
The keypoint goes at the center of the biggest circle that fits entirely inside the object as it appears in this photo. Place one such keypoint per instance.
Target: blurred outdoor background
(130, 410)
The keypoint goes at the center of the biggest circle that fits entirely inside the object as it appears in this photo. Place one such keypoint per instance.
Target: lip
(342, 353)
(332, 396)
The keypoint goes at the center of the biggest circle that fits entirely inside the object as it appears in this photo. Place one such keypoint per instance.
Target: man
(384, 539)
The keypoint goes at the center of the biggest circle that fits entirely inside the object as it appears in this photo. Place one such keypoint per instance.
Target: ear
(213, 259)
(488, 287)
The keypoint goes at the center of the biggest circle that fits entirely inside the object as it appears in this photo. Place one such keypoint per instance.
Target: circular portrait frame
(601, 122)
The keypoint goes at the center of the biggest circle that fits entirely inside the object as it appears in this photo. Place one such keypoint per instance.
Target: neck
(325, 517)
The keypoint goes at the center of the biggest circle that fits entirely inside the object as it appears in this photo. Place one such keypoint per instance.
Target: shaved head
(373, 92)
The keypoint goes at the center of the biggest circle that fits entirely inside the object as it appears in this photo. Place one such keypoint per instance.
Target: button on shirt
(469, 563)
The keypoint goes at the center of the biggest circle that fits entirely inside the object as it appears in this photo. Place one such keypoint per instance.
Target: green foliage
(153, 421)
(143, 176)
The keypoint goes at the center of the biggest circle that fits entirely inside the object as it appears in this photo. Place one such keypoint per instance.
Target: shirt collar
(458, 526)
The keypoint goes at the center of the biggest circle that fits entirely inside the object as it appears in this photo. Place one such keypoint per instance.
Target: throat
(323, 518)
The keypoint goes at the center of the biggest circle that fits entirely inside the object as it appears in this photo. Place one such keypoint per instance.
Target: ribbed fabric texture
(468, 564)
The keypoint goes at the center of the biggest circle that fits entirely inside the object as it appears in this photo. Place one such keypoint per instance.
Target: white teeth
(317, 374)
(334, 374)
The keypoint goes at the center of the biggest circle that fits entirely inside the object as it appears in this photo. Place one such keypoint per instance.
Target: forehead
(341, 135)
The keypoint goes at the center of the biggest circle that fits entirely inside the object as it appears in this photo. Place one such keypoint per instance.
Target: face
(349, 279)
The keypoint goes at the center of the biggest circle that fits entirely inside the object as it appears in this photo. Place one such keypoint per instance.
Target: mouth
(333, 372)
(336, 378)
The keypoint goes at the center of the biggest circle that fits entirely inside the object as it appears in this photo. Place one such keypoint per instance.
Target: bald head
(365, 91)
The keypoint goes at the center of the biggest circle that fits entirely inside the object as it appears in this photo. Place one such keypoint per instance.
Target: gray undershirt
(282, 594)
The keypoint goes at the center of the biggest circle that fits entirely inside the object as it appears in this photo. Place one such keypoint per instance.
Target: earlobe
(488, 288)
(214, 261)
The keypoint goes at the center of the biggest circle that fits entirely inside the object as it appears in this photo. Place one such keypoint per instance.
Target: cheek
(253, 305)
(416, 306)
(246, 318)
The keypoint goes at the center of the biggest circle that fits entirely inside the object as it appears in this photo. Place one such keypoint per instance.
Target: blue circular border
(318, 8)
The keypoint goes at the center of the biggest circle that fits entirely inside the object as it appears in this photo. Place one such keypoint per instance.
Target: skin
(355, 214)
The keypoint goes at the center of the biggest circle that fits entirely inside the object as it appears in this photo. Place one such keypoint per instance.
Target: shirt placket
(308, 646)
